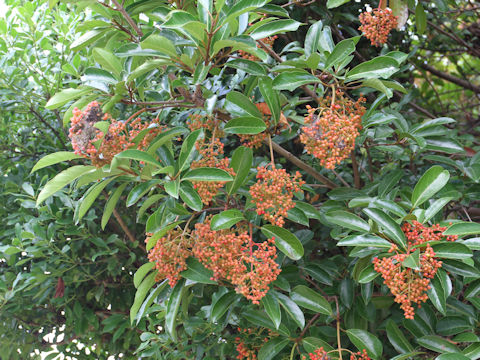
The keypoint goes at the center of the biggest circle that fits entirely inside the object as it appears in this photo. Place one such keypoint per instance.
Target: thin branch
(453, 79)
(299, 163)
(57, 134)
(127, 17)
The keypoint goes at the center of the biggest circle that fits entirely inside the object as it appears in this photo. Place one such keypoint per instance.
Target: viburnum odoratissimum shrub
(272, 183)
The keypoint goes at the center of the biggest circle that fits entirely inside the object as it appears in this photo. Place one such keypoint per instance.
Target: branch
(127, 17)
(57, 134)
(453, 79)
(307, 168)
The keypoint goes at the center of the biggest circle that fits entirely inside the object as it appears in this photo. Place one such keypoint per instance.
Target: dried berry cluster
(409, 285)
(273, 193)
(321, 354)
(377, 24)
(330, 135)
(248, 265)
(170, 254)
(99, 147)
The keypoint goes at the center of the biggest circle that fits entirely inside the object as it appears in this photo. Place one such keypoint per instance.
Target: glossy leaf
(429, 184)
(226, 219)
(285, 241)
(245, 125)
(388, 225)
(207, 174)
(54, 158)
(173, 305)
(311, 300)
(364, 340)
(347, 220)
(272, 308)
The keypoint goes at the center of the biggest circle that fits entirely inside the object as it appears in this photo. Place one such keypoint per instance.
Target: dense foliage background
(73, 260)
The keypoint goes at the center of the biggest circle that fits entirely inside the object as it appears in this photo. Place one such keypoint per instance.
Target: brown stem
(356, 175)
(127, 17)
(299, 163)
(339, 344)
(272, 159)
(453, 79)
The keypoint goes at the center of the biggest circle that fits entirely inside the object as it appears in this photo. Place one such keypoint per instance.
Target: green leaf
(412, 261)
(407, 356)
(172, 187)
(311, 344)
(140, 190)
(378, 84)
(420, 18)
(438, 344)
(285, 241)
(389, 226)
(111, 204)
(207, 174)
(239, 105)
(141, 293)
(364, 340)
(272, 308)
(197, 272)
(347, 220)
(190, 196)
(54, 158)
(291, 308)
(146, 67)
(452, 356)
(291, 80)
(270, 349)
(241, 163)
(149, 300)
(250, 67)
(241, 7)
(312, 38)
(397, 338)
(141, 273)
(274, 27)
(436, 294)
(319, 274)
(472, 351)
(159, 43)
(379, 67)
(297, 216)
(311, 300)
(188, 149)
(245, 125)
(62, 179)
(460, 268)
(453, 325)
(89, 197)
(139, 156)
(473, 289)
(335, 3)
(429, 184)
(63, 97)
(172, 308)
(220, 307)
(271, 96)
(366, 240)
(108, 61)
(367, 275)
(463, 229)
(340, 53)
(226, 219)
(259, 318)
(435, 207)
(86, 39)
(452, 250)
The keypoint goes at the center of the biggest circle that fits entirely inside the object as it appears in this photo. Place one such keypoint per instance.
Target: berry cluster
(249, 342)
(377, 24)
(100, 148)
(170, 254)
(330, 135)
(211, 151)
(273, 192)
(248, 265)
(409, 286)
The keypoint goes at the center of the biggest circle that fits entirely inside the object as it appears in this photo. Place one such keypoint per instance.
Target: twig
(339, 344)
(127, 17)
(307, 168)
(342, 180)
(453, 79)
(356, 175)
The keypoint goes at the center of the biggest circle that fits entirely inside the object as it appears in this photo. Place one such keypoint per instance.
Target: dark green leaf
(429, 184)
(364, 340)
(285, 241)
(310, 299)
(207, 174)
(245, 125)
